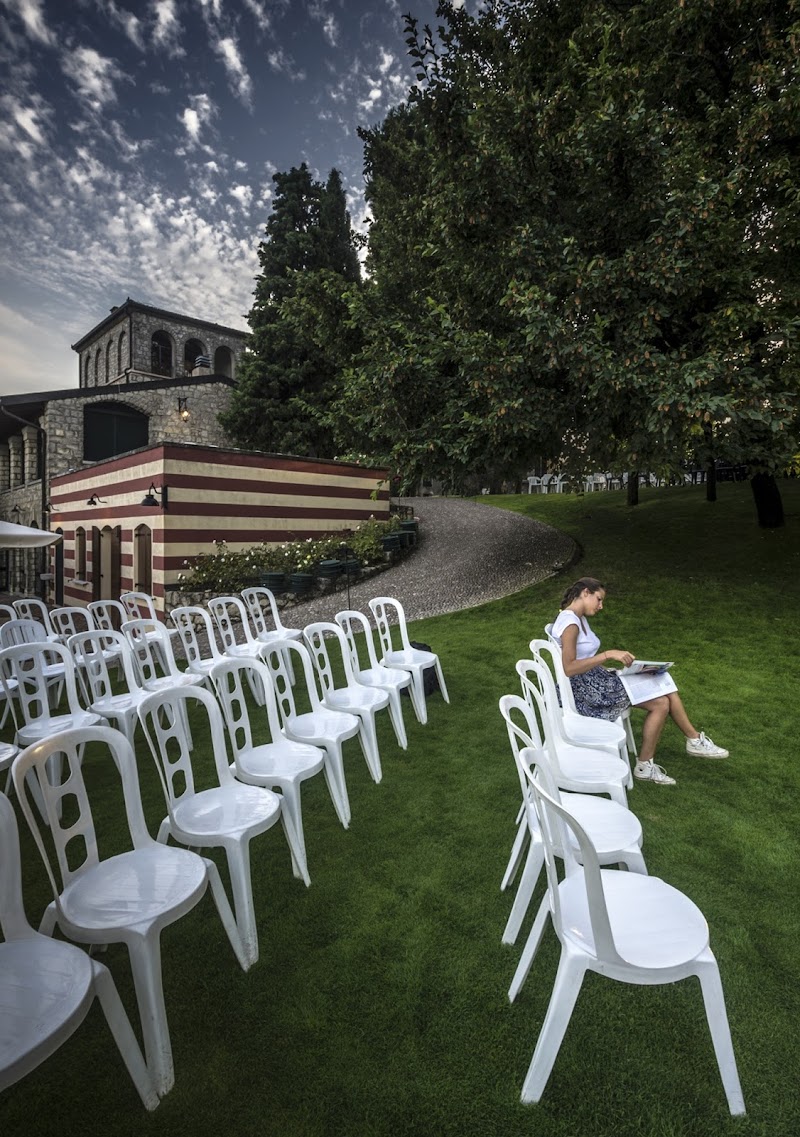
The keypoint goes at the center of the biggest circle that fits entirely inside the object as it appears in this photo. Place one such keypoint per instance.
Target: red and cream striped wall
(213, 494)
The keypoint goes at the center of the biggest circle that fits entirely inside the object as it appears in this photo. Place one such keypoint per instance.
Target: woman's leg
(656, 711)
(679, 715)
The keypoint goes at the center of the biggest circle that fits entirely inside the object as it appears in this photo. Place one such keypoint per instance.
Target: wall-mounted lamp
(151, 500)
(183, 407)
(16, 509)
(95, 500)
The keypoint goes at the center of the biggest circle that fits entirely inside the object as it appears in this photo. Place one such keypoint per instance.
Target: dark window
(111, 428)
(223, 362)
(192, 349)
(161, 354)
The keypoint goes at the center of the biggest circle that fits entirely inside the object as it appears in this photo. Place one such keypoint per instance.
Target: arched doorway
(191, 350)
(106, 558)
(223, 362)
(161, 354)
(143, 559)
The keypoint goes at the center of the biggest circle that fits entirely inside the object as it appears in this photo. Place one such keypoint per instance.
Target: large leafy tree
(287, 381)
(585, 227)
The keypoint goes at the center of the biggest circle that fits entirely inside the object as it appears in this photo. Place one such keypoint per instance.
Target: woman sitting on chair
(599, 691)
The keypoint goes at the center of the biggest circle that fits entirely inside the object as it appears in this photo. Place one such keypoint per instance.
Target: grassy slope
(378, 1005)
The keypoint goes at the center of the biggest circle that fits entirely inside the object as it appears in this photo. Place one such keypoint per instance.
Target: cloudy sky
(139, 139)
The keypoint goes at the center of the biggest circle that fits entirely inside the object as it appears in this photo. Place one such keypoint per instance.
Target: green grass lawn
(378, 1006)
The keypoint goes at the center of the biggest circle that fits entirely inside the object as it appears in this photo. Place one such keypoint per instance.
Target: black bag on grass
(430, 680)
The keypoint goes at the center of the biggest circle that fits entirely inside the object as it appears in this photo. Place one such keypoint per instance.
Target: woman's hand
(623, 657)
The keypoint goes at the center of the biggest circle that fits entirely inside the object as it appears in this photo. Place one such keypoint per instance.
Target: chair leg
(714, 1000)
(562, 1001)
(333, 771)
(291, 806)
(442, 683)
(530, 875)
(120, 1027)
(530, 949)
(418, 696)
(226, 913)
(517, 849)
(368, 738)
(238, 854)
(145, 955)
(618, 794)
(396, 715)
(297, 851)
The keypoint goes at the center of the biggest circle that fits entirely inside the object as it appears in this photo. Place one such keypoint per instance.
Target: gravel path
(468, 553)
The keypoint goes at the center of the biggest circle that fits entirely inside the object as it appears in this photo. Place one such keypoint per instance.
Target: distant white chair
(128, 898)
(47, 987)
(385, 610)
(27, 670)
(228, 612)
(31, 608)
(632, 928)
(534, 484)
(594, 482)
(108, 615)
(200, 656)
(353, 697)
(68, 621)
(392, 680)
(226, 816)
(93, 651)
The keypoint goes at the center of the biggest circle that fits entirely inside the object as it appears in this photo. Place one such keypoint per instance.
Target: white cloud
(259, 14)
(130, 24)
(318, 10)
(167, 28)
(198, 114)
(92, 75)
(243, 194)
(285, 65)
(32, 16)
(51, 366)
(228, 51)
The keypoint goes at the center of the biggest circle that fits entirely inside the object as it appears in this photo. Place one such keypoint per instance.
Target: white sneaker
(650, 772)
(703, 747)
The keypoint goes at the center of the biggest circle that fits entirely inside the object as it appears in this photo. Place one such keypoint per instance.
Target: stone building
(146, 376)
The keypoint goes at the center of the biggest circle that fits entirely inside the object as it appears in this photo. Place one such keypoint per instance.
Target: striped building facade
(203, 494)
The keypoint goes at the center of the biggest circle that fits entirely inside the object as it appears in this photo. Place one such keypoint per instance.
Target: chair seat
(581, 728)
(412, 657)
(44, 728)
(166, 682)
(322, 724)
(279, 634)
(284, 759)
(148, 882)
(579, 764)
(226, 809)
(384, 677)
(116, 704)
(350, 700)
(610, 825)
(43, 984)
(654, 925)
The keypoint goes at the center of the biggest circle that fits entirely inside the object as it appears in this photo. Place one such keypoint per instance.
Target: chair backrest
(7, 611)
(108, 615)
(186, 620)
(69, 621)
(163, 716)
(139, 606)
(13, 922)
(26, 663)
(275, 656)
(315, 636)
(23, 631)
(30, 608)
(532, 692)
(383, 608)
(90, 651)
(255, 599)
(352, 624)
(66, 804)
(228, 676)
(226, 610)
(527, 748)
(141, 635)
(562, 679)
(554, 823)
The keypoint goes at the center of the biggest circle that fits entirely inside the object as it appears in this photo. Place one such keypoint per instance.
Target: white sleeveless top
(588, 644)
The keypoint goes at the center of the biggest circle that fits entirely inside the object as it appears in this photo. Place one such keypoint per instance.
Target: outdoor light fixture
(95, 500)
(16, 509)
(151, 500)
(183, 407)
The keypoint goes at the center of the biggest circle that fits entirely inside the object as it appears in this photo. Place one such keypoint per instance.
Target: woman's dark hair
(574, 590)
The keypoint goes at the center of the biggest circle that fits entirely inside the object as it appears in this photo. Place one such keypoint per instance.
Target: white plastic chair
(319, 725)
(68, 621)
(141, 606)
(108, 615)
(355, 699)
(199, 658)
(534, 484)
(632, 928)
(27, 667)
(226, 816)
(128, 898)
(92, 651)
(148, 641)
(389, 679)
(583, 769)
(580, 729)
(31, 608)
(568, 698)
(277, 762)
(408, 658)
(227, 612)
(47, 987)
(615, 832)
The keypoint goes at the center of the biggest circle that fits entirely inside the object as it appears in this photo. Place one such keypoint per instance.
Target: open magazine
(646, 679)
(645, 667)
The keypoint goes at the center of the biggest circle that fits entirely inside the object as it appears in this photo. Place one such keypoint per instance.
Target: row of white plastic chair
(623, 924)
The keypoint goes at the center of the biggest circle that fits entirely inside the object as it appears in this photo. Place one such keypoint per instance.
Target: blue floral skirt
(599, 693)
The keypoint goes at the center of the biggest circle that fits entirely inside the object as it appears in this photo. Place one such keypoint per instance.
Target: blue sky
(138, 139)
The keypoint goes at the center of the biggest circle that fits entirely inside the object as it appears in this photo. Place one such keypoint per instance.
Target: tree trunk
(769, 504)
(633, 487)
(711, 482)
